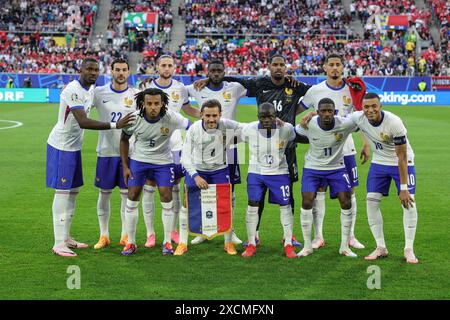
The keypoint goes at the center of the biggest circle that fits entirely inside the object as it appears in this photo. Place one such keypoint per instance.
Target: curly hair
(140, 99)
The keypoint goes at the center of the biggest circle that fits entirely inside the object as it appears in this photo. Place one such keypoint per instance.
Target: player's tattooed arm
(405, 197)
(86, 123)
(124, 150)
(191, 111)
(365, 150)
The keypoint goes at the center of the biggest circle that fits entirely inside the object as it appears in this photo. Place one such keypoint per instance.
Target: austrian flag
(209, 211)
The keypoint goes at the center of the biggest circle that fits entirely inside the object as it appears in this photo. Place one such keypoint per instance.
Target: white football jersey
(267, 154)
(228, 96)
(382, 138)
(152, 138)
(342, 101)
(178, 97)
(67, 134)
(111, 106)
(205, 150)
(326, 146)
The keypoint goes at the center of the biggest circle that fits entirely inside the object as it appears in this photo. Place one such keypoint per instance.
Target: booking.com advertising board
(392, 90)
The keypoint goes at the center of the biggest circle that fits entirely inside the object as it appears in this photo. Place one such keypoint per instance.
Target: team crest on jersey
(385, 138)
(63, 180)
(280, 144)
(175, 96)
(164, 131)
(338, 136)
(128, 102)
(226, 95)
(347, 100)
(288, 91)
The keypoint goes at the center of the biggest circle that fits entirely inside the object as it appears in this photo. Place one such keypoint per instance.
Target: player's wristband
(112, 125)
(403, 187)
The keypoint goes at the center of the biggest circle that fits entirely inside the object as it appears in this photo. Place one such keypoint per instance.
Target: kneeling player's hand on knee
(406, 199)
(201, 183)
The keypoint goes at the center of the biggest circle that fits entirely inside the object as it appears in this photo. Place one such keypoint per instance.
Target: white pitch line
(15, 124)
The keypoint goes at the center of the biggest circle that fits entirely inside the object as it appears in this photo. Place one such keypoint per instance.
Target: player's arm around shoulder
(301, 134)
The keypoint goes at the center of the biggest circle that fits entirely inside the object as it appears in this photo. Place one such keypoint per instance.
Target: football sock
(318, 214)
(123, 205)
(183, 226)
(287, 221)
(70, 212)
(306, 220)
(103, 210)
(176, 206)
(354, 209)
(132, 219)
(346, 223)
(374, 217)
(410, 224)
(167, 216)
(261, 208)
(59, 208)
(148, 208)
(251, 223)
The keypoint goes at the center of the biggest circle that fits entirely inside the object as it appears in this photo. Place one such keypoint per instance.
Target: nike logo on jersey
(105, 101)
(204, 97)
(315, 139)
(265, 91)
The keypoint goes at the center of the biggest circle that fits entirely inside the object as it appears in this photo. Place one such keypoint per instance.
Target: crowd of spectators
(266, 17)
(305, 56)
(36, 53)
(48, 15)
(137, 38)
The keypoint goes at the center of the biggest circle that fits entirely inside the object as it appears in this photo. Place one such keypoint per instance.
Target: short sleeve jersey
(67, 135)
(267, 153)
(384, 137)
(152, 137)
(326, 146)
(111, 106)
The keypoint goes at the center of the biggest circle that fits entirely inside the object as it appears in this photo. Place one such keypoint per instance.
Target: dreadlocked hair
(140, 99)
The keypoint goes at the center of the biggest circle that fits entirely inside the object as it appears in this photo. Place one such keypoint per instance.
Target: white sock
(252, 222)
(318, 214)
(59, 208)
(167, 216)
(346, 223)
(306, 220)
(410, 224)
(132, 216)
(123, 206)
(374, 217)
(183, 225)
(176, 206)
(148, 208)
(354, 209)
(287, 221)
(70, 212)
(103, 211)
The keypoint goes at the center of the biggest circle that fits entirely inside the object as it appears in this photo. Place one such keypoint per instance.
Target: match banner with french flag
(209, 211)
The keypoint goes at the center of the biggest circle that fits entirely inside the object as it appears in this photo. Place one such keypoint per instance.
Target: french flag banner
(209, 211)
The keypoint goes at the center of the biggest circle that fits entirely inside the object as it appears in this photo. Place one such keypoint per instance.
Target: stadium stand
(265, 17)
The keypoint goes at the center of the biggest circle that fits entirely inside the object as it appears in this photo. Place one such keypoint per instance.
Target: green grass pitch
(28, 269)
